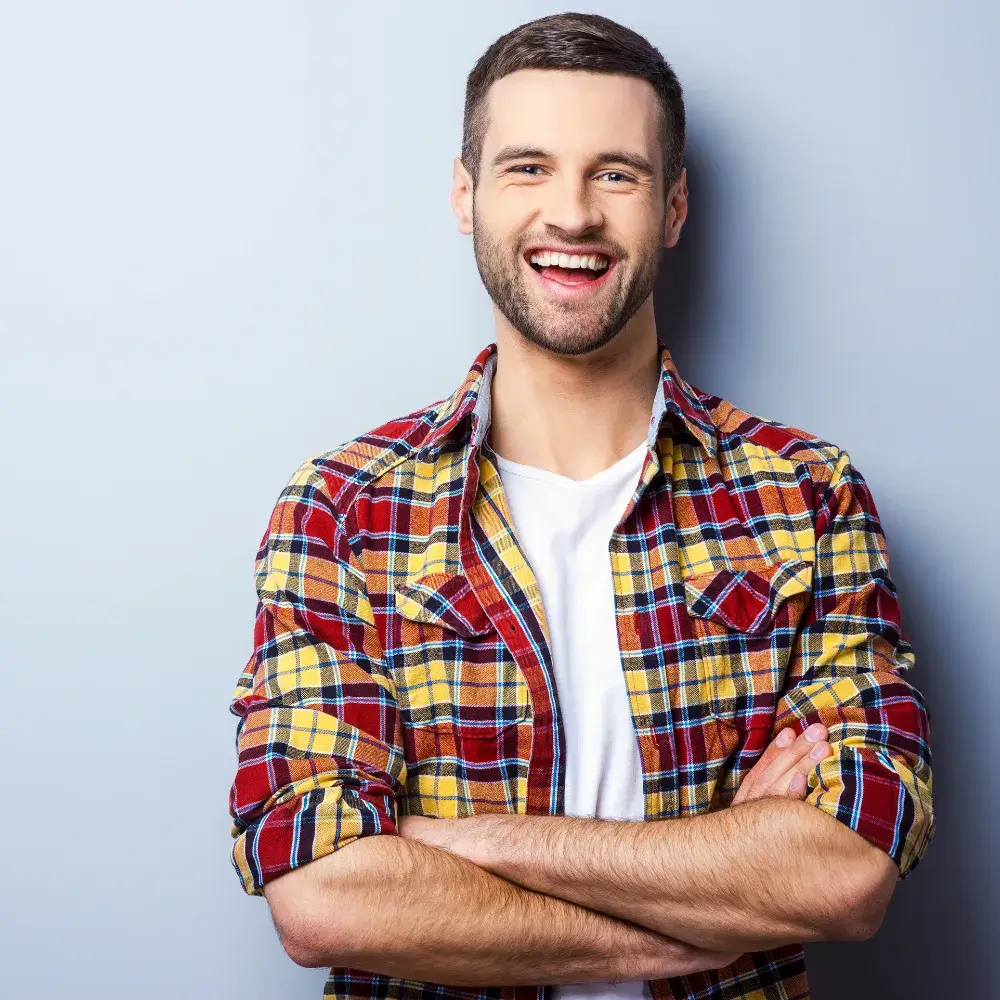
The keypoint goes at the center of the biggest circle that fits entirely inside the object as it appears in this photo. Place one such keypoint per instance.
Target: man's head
(573, 144)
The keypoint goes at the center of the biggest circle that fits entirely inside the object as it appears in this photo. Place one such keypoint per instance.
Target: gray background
(225, 244)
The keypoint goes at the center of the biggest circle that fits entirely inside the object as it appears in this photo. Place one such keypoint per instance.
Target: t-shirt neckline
(603, 479)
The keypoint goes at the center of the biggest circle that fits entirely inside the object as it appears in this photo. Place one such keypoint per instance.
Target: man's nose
(571, 207)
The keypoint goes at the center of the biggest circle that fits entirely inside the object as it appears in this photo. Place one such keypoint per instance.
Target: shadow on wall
(680, 296)
(932, 942)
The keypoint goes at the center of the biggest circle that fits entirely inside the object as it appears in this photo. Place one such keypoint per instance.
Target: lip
(569, 251)
(569, 293)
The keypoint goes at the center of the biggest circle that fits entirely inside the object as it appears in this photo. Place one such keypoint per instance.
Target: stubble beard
(563, 329)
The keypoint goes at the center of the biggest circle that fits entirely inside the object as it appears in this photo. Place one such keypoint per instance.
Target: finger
(793, 785)
(773, 770)
(819, 752)
(787, 756)
(787, 740)
(796, 780)
(782, 741)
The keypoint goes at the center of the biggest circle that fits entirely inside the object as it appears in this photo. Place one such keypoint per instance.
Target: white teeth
(547, 258)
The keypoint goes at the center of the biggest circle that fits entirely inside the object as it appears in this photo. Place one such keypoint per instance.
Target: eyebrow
(638, 163)
(509, 153)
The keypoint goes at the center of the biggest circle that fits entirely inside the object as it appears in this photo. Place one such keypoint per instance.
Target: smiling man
(581, 681)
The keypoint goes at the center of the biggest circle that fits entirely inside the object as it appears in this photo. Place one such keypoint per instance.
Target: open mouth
(570, 269)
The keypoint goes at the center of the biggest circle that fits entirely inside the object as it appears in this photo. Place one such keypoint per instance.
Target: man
(579, 677)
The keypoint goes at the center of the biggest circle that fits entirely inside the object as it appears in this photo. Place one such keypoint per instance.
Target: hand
(419, 828)
(460, 836)
(782, 769)
(677, 958)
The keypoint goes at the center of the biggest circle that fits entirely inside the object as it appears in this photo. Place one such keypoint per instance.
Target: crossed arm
(525, 899)
(770, 871)
(395, 906)
(511, 900)
(766, 874)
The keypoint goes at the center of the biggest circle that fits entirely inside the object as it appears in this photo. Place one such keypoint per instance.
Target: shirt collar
(674, 398)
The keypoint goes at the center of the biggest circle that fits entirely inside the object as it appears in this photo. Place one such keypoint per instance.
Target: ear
(461, 197)
(677, 210)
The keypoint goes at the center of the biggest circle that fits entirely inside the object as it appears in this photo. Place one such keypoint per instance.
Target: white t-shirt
(564, 526)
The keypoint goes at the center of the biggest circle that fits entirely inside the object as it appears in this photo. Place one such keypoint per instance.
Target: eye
(526, 169)
(617, 176)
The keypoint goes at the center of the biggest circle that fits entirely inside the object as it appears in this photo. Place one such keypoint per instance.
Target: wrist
(476, 839)
(647, 955)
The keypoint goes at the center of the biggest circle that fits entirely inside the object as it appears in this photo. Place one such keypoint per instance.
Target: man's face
(568, 215)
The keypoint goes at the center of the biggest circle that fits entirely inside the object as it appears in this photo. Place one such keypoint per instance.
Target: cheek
(498, 228)
(514, 211)
(636, 222)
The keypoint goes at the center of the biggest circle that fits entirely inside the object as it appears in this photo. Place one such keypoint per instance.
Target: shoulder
(336, 477)
(749, 436)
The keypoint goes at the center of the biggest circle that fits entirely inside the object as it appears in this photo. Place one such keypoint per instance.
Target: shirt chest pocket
(464, 704)
(744, 622)
(451, 664)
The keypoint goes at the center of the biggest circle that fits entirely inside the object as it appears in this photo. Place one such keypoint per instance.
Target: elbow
(310, 944)
(299, 938)
(867, 896)
(302, 946)
(321, 910)
(861, 927)
(307, 935)
(300, 952)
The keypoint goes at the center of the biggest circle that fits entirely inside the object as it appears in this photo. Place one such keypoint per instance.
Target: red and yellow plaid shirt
(402, 664)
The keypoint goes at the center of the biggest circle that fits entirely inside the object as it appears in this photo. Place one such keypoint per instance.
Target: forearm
(394, 906)
(748, 878)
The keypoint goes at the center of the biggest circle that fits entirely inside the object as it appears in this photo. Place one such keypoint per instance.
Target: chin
(566, 339)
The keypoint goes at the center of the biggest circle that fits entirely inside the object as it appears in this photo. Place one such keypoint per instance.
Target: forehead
(572, 112)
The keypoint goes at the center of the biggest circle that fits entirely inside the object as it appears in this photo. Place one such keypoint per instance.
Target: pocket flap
(746, 600)
(445, 599)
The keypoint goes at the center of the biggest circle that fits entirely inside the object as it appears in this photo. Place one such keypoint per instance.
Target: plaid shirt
(402, 662)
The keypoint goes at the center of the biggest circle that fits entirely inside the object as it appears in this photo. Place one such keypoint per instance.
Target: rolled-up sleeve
(318, 739)
(848, 670)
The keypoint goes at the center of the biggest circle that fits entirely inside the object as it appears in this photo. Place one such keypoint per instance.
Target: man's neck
(574, 415)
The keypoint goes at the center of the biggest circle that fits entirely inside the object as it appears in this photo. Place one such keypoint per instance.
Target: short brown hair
(575, 41)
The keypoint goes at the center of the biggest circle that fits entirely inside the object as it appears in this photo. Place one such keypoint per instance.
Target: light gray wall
(202, 210)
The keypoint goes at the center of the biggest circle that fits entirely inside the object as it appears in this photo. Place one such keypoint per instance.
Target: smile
(569, 275)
